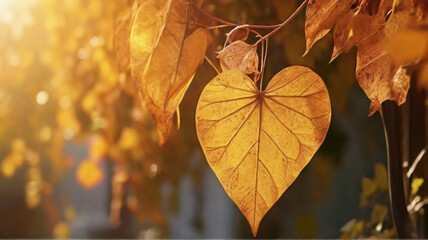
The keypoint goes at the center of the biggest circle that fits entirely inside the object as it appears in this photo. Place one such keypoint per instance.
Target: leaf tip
(306, 52)
(254, 230)
(374, 106)
(334, 55)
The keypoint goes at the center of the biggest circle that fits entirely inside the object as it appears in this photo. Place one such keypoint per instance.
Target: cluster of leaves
(386, 55)
(256, 141)
(60, 87)
(247, 132)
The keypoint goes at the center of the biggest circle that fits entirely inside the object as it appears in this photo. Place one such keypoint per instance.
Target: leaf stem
(212, 64)
(289, 19)
(276, 27)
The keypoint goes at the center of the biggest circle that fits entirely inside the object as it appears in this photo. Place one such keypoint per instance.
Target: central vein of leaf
(260, 99)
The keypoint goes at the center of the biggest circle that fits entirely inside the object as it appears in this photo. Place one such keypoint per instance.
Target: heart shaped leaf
(257, 142)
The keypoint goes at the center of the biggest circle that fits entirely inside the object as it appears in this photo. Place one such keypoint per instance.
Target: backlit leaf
(258, 142)
(146, 30)
(121, 39)
(167, 67)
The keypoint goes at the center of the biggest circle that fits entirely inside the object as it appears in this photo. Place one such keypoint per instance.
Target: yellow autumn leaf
(257, 142)
(164, 69)
(147, 27)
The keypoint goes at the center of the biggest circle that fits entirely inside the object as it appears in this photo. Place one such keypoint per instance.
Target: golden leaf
(321, 16)
(149, 22)
(121, 41)
(164, 69)
(258, 142)
(240, 55)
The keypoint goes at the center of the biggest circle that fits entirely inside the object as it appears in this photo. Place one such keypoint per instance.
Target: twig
(212, 65)
(415, 163)
(231, 24)
(298, 10)
(392, 124)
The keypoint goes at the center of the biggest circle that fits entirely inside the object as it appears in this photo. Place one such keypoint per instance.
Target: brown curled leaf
(238, 33)
(240, 55)
(256, 142)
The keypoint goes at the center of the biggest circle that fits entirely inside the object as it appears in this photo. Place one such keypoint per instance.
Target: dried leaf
(240, 55)
(352, 28)
(238, 33)
(258, 142)
(171, 66)
(321, 16)
(379, 77)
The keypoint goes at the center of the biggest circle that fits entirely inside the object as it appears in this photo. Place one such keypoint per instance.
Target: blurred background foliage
(79, 155)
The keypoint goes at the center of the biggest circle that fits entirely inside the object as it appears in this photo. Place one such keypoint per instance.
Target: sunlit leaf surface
(258, 142)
